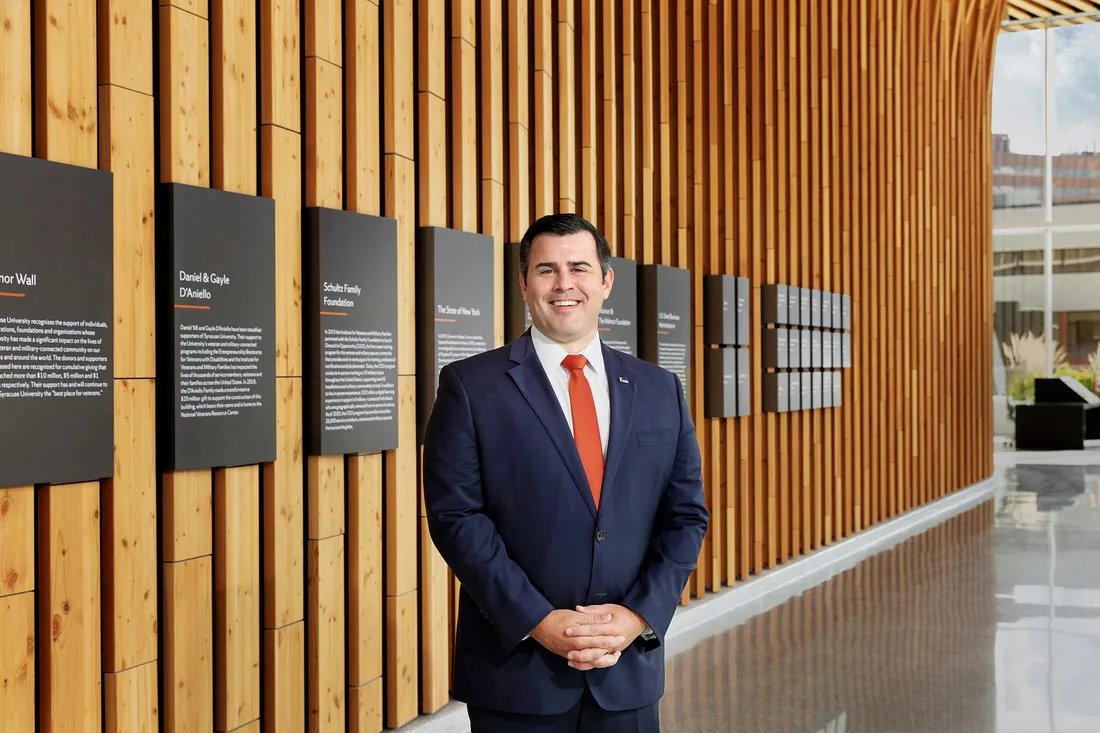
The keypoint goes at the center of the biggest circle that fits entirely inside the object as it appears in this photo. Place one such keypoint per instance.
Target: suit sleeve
(464, 535)
(678, 533)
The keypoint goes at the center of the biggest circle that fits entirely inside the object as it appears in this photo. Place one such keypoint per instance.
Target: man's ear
(608, 281)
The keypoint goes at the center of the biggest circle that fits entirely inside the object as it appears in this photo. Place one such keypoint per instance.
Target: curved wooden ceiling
(1061, 12)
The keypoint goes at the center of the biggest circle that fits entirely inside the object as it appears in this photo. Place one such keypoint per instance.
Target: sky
(1018, 89)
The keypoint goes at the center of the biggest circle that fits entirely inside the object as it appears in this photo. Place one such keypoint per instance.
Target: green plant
(1084, 376)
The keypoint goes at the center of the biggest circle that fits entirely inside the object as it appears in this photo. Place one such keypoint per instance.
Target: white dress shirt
(551, 353)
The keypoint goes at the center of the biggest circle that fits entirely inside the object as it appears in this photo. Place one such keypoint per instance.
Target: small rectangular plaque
(773, 300)
(794, 349)
(775, 348)
(744, 384)
(794, 391)
(720, 382)
(775, 392)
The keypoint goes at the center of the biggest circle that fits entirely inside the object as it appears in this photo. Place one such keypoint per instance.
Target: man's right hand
(583, 652)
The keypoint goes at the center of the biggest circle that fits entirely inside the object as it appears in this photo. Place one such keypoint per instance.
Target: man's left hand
(624, 623)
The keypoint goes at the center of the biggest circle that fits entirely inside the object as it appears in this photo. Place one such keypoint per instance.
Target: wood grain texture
(16, 72)
(130, 700)
(399, 150)
(68, 600)
(184, 97)
(840, 145)
(17, 550)
(130, 617)
(18, 645)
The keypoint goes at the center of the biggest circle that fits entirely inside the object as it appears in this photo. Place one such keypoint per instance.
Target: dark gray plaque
(517, 318)
(805, 307)
(846, 312)
(744, 329)
(818, 385)
(826, 310)
(837, 350)
(350, 275)
(807, 349)
(838, 393)
(794, 306)
(619, 315)
(846, 350)
(773, 304)
(794, 391)
(664, 334)
(815, 349)
(720, 380)
(454, 272)
(837, 322)
(775, 348)
(215, 328)
(827, 350)
(794, 349)
(775, 397)
(815, 308)
(827, 389)
(744, 384)
(56, 322)
(721, 311)
(807, 391)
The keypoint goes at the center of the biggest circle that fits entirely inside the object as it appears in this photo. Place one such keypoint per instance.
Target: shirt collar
(551, 352)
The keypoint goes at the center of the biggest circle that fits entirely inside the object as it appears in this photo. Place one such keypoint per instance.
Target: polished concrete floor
(989, 623)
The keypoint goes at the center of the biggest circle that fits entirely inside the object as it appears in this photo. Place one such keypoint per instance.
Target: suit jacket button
(601, 536)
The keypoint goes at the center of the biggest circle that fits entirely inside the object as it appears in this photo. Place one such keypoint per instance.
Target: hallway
(988, 623)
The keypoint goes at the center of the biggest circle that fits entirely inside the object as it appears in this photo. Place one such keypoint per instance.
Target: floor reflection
(988, 624)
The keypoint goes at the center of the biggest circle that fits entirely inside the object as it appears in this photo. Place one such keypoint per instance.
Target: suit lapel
(620, 384)
(535, 387)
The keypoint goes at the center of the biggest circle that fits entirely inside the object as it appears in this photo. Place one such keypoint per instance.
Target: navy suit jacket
(510, 510)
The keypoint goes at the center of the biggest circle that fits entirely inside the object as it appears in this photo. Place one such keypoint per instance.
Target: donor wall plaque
(56, 322)
(773, 303)
(721, 309)
(775, 397)
(215, 328)
(744, 384)
(350, 275)
(664, 332)
(794, 391)
(454, 271)
(619, 316)
(720, 381)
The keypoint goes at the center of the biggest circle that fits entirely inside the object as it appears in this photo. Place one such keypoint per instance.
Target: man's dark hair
(560, 225)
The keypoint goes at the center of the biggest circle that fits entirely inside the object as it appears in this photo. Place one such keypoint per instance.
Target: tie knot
(573, 362)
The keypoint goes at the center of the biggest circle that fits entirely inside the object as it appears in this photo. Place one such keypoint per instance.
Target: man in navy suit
(563, 486)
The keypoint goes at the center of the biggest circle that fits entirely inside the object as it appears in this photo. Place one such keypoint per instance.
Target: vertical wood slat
(127, 139)
(365, 481)
(438, 149)
(567, 147)
(187, 530)
(283, 530)
(401, 526)
(324, 185)
(237, 542)
(67, 563)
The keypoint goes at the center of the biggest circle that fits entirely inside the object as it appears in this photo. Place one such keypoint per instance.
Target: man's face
(565, 288)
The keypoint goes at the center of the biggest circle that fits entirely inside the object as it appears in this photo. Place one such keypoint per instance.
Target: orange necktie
(586, 427)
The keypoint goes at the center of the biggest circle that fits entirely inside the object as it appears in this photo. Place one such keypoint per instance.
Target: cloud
(1018, 89)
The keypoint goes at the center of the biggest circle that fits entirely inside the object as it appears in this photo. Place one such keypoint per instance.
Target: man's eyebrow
(572, 263)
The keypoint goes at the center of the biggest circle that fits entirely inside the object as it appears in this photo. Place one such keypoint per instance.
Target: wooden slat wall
(838, 145)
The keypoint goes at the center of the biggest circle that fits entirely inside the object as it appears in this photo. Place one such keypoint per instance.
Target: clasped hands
(590, 637)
